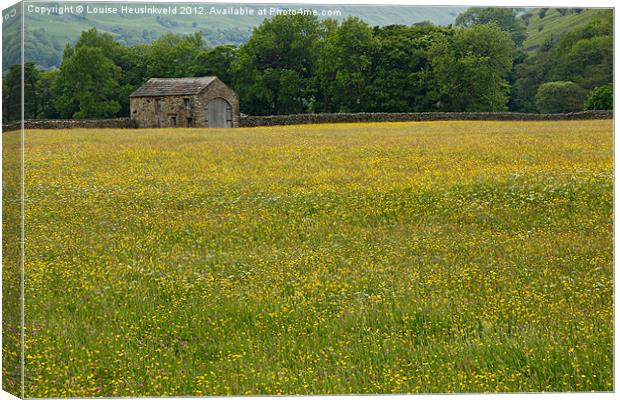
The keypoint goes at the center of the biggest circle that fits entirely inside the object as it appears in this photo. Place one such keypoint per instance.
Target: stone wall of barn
(158, 112)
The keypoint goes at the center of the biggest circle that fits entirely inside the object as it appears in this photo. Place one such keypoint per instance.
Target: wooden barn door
(218, 114)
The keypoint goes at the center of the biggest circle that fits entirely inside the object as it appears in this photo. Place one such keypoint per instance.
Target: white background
(513, 3)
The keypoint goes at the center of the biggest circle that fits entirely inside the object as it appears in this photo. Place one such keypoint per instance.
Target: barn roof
(173, 86)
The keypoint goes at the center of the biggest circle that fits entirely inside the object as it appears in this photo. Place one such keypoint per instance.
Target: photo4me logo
(174, 9)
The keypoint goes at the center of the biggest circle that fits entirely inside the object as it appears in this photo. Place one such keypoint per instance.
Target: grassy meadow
(352, 258)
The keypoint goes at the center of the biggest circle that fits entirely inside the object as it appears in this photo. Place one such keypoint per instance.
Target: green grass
(353, 258)
(554, 25)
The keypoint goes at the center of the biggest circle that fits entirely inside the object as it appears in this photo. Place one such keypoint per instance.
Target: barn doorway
(218, 114)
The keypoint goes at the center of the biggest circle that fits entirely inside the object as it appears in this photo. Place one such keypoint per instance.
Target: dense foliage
(559, 97)
(505, 18)
(300, 64)
(275, 69)
(583, 56)
(601, 98)
(470, 69)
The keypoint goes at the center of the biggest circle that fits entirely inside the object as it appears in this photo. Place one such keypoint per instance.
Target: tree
(585, 55)
(88, 85)
(588, 62)
(469, 69)
(600, 98)
(96, 77)
(103, 41)
(173, 56)
(274, 71)
(528, 76)
(505, 18)
(216, 61)
(559, 97)
(345, 67)
(48, 81)
(12, 92)
(31, 91)
(400, 69)
(134, 65)
(131, 60)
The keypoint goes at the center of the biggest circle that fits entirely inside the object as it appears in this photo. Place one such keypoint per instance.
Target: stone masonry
(181, 102)
(251, 121)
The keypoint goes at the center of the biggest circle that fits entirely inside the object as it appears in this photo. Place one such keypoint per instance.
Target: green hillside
(47, 34)
(554, 23)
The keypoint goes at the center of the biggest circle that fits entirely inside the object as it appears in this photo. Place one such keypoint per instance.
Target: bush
(600, 98)
(559, 97)
(542, 12)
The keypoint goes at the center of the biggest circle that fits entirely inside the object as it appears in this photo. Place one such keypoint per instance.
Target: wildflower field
(353, 258)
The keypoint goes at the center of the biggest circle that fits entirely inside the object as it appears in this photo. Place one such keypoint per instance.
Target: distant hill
(47, 34)
(543, 23)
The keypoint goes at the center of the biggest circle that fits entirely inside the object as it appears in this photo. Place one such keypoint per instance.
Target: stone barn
(185, 102)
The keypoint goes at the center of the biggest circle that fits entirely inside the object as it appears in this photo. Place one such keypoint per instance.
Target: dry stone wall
(71, 124)
(302, 119)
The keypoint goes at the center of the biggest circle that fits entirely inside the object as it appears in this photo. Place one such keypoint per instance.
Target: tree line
(300, 64)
